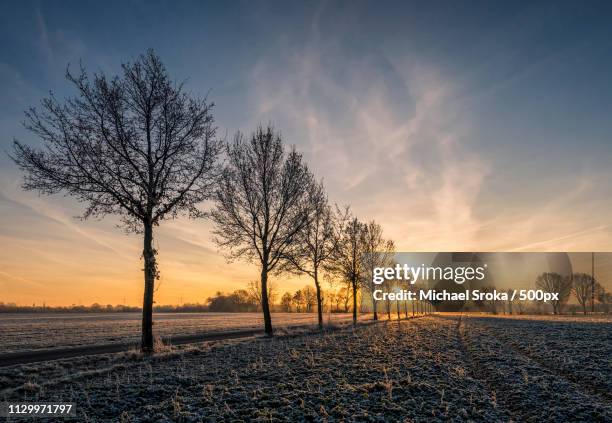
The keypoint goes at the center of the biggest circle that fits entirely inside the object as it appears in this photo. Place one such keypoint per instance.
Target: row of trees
(302, 300)
(139, 147)
(586, 290)
(74, 308)
(305, 299)
(239, 300)
(581, 285)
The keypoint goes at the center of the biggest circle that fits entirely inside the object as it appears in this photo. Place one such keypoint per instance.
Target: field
(434, 368)
(25, 332)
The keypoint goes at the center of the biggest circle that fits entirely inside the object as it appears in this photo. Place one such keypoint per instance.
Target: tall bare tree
(378, 252)
(316, 243)
(134, 145)
(262, 204)
(554, 282)
(583, 289)
(347, 262)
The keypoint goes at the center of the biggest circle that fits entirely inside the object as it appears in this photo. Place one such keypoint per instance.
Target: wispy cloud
(380, 134)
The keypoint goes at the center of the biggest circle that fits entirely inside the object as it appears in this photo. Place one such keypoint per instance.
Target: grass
(427, 369)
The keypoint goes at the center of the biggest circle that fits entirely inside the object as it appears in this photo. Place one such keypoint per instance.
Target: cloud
(57, 46)
(396, 139)
(51, 211)
(381, 134)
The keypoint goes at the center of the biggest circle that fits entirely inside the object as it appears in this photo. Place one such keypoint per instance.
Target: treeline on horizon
(304, 300)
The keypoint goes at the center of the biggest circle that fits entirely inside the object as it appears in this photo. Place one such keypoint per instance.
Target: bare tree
(344, 296)
(509, 293)
(286, 301)
(583, 289)
(347, 262)
(378, 252)
(405, 285)
(364, 303)
(316, 243)
(331, 300)
(261, 204)
(340, 299)
(604, 298)
(298, 300)
(489, 305)
(398, 285)
(392, 286)
(554, 282)
(134, 145)
(310, 297)
(254, 290)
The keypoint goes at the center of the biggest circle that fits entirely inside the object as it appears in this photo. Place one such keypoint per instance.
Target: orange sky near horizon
(59, 260)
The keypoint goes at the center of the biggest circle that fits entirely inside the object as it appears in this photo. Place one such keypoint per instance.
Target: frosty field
(24, 332)
(435, 368)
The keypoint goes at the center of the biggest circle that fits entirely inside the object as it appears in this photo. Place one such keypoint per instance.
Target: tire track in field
(49, 354)
(478, 373)
(599, 393)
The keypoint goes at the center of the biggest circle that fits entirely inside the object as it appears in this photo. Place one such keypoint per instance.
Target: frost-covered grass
(594, 318)
(23, 332)
(378, 372)
(528, 383)
(580, 350)
(436, 368)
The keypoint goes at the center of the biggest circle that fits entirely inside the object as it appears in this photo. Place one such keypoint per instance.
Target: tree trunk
(374, 308)
(265, 306)
(346, 302)
(375, 316)
(149, 278)
(354, 283)
(319, 300)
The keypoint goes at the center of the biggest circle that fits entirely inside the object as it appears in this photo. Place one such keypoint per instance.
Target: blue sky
(457, 125)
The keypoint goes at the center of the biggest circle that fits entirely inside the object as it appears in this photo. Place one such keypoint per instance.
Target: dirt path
(25, 357)
(43, 331)
(477, 372)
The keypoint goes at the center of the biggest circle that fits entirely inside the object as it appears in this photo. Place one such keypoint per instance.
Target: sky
(459, 126)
